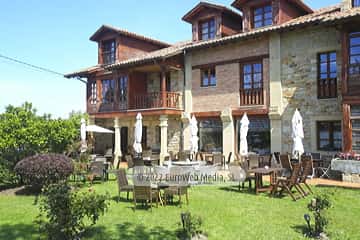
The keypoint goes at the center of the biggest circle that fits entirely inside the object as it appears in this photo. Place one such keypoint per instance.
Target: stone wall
(299, 71)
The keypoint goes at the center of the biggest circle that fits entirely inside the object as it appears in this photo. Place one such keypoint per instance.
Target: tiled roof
(322, 16)
(174, 50)
(188, 16)
(83, 72)
(127, 33)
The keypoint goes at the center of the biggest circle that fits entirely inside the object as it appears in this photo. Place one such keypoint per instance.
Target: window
(252, 77)
(108, 87)
(168, 82)
(93, 93)
(327, 75)
(356, 3)
(208, 77)
(355, 123)
(263, 16)
(354, 53)
(258, 135)
(108, 52)
(123, 85)
(210, 135)
(207, 29)
(329, 135)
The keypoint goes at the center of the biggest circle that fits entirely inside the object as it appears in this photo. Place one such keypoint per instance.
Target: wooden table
(259, 173)
(182, 163)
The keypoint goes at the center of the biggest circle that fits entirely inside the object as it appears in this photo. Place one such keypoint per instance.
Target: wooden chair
(172, 156)
(249, 177)
(97, 170)
(138, 162)
(282, 185)
(253, 161)
(145, 194)
(307, 170)
(182, 156)
(179, 186)
(130, 161)
(265, 160)
(218, 159)
(199, 156)
(236, 173)
(123, 184)
(286, 164)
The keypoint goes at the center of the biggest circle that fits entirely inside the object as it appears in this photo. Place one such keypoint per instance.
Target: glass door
(123, 92)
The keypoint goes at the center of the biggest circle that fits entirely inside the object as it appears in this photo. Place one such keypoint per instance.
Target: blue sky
(55, 35)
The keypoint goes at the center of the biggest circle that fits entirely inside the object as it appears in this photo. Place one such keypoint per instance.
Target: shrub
(191, 225)
(318, 207)
(63, 213)
(7, 176)
(43, 169)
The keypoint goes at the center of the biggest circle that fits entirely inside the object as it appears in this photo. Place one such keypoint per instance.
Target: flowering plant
(349, 156)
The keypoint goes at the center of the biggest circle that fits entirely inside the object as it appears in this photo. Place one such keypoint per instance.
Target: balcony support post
(163, 87)
(117, 147)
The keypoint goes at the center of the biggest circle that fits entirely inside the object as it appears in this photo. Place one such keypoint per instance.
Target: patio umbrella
(138, 134)
(83, 135)
(243, 135)
(97, 129)
(194, 135)
(297, 134)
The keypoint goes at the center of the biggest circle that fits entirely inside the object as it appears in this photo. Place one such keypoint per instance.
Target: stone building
(263, 58)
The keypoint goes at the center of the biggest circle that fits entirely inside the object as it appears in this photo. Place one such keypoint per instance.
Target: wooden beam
(347, 131)
(133, 113)
(237, 60)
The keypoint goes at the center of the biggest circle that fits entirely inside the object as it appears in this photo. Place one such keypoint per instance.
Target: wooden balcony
(254, 96)
(154, 100)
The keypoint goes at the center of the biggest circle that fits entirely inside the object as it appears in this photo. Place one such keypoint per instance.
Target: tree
(24, 133)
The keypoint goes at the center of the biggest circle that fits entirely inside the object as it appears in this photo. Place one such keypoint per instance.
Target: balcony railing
(152, 100)
(254, 96)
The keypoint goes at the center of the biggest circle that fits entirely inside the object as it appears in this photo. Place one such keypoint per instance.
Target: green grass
(227, 214)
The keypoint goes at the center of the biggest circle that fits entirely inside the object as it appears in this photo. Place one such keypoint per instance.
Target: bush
(66, 212)
(191, 226)
(7, 176)
(318, 207)
(43, 169)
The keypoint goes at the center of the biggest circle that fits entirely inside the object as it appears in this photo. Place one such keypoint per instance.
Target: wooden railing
(327, 88)
(142, 101)
(154, 100)
(254, 96)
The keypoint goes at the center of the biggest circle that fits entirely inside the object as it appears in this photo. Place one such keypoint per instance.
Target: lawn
(227, 214)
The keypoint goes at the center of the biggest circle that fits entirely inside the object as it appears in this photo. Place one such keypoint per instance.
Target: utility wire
(37, 67)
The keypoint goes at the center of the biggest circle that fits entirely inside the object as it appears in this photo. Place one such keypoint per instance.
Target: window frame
(353, 118)
(355, 3)
(93, 93)
(263, 18)
(208, 72)
(209, 33)
(328, 80)
(354, 34)
(111, 52)
(242, 75)
(331, 130)
(112, 98)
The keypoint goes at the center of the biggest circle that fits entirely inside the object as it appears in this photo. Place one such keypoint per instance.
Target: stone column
(186, 136)
(276, 133)
(117, 148)
(228, 133)
(164, 137)
(276, 93)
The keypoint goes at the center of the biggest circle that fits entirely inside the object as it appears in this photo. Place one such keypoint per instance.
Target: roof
(126, 33)
(329, 15)
(322, 16)
(164, 53)
(83, 72)
(299, 3)
(200, 6)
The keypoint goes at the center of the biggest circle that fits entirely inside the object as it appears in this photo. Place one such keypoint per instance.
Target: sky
(55, 35)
